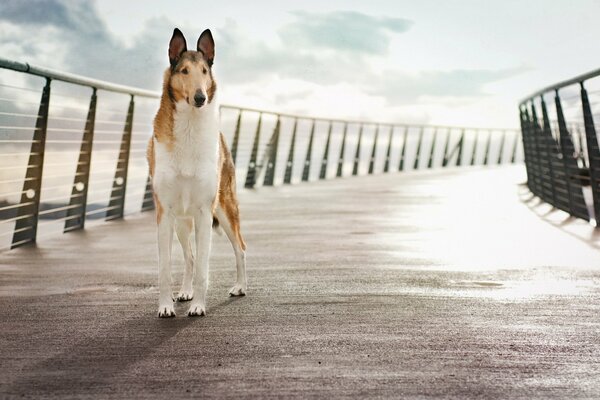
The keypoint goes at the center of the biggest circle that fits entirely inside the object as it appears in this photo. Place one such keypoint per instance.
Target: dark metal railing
(77, 156)
(561, 153)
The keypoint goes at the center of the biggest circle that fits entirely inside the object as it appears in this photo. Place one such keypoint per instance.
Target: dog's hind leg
(184, 228)
(231, 225)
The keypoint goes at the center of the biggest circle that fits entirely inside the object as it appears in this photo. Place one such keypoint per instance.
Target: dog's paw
(166, 311)
(196, 311)
(237, 290)
(184, 295)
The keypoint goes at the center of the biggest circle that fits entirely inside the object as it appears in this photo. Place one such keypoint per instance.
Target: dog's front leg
(165, 239)
(203, 230)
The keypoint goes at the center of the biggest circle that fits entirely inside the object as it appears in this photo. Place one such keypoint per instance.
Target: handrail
(74, 78)
(562, 84)
(104, 85)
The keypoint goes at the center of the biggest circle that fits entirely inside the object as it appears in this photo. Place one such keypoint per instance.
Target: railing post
(475, 143)
(528, 158)
(289, 167)
(272, 161)
(551, 152)
(418, 153)
(547, 178)
(532, 154)
(513, 156)
(388, 153)
(251, 174)
(27, 216)
(461, 141)
(373, 152)
(307, 160)
(340, 166)
(446, 147)
(148, 202)
(236, 138)
(323, 172)
(501, 151)
(116, 205)
(78, 202)
(357, 154)
(577, 206)
(487, 148)
(593, 152)
(432, 150)
(403, 152)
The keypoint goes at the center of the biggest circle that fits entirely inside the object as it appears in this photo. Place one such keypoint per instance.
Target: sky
(452, 62)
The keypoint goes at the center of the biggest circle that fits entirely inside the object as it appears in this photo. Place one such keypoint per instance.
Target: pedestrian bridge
(384, 260)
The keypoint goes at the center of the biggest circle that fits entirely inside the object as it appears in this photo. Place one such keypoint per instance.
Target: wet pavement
(449, 284)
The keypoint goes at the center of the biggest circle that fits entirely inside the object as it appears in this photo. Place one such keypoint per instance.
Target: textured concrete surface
(452, 284)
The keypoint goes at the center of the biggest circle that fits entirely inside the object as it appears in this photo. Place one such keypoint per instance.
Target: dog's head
(191, 79)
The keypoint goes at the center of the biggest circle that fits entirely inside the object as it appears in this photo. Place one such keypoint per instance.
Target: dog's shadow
(93, 362)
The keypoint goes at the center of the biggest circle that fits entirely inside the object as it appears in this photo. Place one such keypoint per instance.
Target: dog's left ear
(206, 45)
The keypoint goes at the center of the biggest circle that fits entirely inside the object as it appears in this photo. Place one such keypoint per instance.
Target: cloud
(342, 31)
(319, 55)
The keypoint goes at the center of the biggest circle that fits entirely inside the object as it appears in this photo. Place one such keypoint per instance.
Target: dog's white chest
(186, 172)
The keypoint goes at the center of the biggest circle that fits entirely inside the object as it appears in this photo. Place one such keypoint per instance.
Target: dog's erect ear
(177, 46)
(206, 45)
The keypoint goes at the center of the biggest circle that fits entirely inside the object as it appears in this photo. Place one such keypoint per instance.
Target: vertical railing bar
(116, 206)
(25, 230)
(308, 159)
(475, 143)
(577, 206)
(446, 147)
(418, 152)
(513, 157)
(373, 152)
(488, 145)
(323, 172)
(289, 168)
(236, 137)
(357, 154)
(432, 150)
(79, 191)
(461, 142)
(403, 151)
(593, 152)
(251, 173)
(388, 153)
(501, 150)
(272, 160)
(340, 166)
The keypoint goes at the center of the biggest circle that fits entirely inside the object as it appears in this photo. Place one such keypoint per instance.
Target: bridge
(385, 259)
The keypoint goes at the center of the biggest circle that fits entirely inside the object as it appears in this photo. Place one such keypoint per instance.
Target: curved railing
(77, 155)
(561, 145)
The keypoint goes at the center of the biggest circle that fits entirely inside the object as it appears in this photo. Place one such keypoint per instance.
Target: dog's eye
(184, 71)
(204, 71)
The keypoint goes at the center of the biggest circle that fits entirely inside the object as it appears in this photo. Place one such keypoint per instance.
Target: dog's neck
(194, 122)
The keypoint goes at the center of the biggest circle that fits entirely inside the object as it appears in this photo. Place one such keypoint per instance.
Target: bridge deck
(442, 284)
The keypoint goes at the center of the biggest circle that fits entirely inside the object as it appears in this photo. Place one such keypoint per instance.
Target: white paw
(185, 295)
(196, 311)
(166, 311)
(237, 290)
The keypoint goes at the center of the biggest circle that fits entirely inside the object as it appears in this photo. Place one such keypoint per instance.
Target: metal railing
(65, 164)
(561, 145)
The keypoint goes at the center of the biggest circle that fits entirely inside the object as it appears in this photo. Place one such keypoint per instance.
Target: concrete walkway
(451, 284)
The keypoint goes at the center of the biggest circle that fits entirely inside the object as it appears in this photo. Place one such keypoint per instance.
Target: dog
(193, 176)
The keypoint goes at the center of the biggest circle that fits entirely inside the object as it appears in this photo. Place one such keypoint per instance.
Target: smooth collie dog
(193, 175)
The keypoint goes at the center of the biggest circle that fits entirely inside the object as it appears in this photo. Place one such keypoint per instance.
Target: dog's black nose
(199, 99)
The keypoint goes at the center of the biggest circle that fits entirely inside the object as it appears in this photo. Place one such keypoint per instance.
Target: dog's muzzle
(199, 99)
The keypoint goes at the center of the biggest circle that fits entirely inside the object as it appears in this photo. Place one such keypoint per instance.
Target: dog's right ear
(177, 46)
